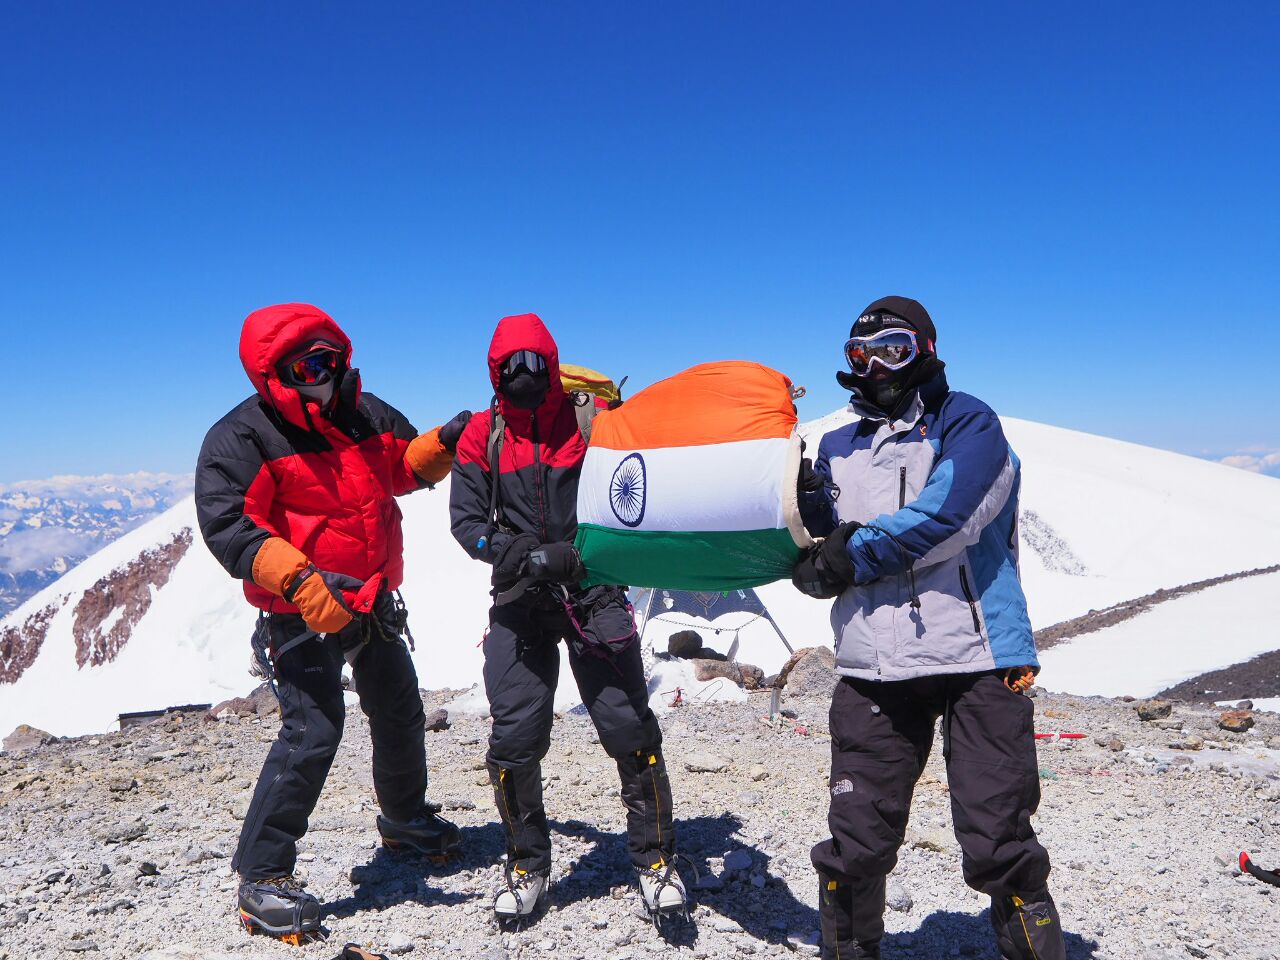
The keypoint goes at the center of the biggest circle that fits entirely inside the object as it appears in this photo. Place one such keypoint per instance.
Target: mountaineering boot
(662, 890)
(838, 907)
(523, 893)
(428, 834)
(279, 908)
(1028, 928)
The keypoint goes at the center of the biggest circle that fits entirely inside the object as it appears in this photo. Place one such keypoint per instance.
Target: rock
(752, 676)
(1244, 705)
(121, 832)
(122, 784)
(438, 721)
(1187, 743)
(705, 763)
(758, 773)
(811, 671)
(148, 869)
(260, 702)
(897, 898)
(737, 861)
(686, 644)
(708, 881)
(1115, 745)
(1236, 721)
(27, 738)
(1153, 709)
(706, 669)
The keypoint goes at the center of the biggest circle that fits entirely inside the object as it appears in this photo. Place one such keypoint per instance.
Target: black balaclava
(889, 391)
(524, 389)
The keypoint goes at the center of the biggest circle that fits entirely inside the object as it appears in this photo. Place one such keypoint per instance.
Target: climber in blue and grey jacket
(917, 505)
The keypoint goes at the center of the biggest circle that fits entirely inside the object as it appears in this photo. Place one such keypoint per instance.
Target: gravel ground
(117, 845)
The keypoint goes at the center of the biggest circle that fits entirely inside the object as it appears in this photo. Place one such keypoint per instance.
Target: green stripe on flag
(720, 560)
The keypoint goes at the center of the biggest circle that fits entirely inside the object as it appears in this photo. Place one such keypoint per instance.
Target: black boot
(852, 919)
(279, 908)
(428, 834)
(517, 793)
(1028, 928)
(646, 793)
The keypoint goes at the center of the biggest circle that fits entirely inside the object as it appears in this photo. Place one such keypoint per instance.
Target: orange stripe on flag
(711, 403)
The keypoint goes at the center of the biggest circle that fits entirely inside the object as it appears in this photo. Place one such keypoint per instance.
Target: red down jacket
(541, 457)
(279, 466)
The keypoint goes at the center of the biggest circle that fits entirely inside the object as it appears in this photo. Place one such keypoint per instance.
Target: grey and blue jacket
(938, 491)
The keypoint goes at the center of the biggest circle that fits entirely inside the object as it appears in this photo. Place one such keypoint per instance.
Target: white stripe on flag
(716, 487)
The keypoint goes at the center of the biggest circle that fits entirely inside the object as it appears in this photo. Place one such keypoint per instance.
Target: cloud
(1255, 461)
(32, 548)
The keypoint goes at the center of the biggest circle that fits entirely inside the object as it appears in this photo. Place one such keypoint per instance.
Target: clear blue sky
(1085, 196)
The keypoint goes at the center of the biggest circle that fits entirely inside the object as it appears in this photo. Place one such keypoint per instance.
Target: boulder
(27, 738)
(260, 702)
(706, 669)
(1154, 709)
(684, 644)
(810, 671)
(1235, 721)
(752, 676)
(438, 720)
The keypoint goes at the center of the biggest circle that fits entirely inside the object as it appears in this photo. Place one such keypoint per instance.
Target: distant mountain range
(49, 526)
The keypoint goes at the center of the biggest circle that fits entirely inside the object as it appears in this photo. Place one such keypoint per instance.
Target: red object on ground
(1060, 736)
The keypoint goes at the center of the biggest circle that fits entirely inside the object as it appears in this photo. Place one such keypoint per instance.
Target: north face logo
(841, 786)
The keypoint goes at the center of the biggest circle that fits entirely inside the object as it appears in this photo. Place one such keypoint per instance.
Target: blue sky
(1083, 195)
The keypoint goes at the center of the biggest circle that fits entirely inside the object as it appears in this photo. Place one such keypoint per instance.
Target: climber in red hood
(295, 495)
(513, 504)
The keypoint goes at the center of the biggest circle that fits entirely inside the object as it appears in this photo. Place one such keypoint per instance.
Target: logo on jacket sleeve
(627, 490)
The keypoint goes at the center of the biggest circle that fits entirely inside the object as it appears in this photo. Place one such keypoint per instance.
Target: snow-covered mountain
(151, 620)
(49, 526)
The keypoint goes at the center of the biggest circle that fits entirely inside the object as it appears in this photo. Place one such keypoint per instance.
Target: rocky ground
(117, 845)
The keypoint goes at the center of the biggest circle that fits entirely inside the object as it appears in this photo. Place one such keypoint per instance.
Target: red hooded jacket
(541, 456)
(324, 480)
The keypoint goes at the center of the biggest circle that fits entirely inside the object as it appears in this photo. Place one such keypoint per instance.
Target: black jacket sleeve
(233, 486)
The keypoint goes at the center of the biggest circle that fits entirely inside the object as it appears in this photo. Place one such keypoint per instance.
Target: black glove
(509, 559)
(827, 569)
(809, 480)
(452, 430)
(558, 562)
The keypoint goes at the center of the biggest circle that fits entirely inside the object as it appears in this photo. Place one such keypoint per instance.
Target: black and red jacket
(277, 465)
(540, 459)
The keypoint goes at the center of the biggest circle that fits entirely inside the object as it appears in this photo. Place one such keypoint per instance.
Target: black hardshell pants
(881, 735)
(521, 670)
(312, 713)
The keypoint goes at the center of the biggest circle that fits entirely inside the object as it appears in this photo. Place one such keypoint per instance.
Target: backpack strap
(497, 432)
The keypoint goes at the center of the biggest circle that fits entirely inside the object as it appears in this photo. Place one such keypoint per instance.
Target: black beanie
(909, 310)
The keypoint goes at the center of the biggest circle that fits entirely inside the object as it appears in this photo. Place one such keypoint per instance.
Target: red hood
(525, 331)
(273, 334)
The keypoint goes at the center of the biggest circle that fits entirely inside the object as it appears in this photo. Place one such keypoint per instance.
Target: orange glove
(283, 569)
(430, 455)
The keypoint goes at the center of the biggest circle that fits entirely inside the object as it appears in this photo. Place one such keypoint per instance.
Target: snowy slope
(1104, 521)
(1183, 638)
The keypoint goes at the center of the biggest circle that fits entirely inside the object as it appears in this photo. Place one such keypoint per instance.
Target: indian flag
(691, 484)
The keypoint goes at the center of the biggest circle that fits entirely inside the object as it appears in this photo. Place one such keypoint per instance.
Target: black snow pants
(312, 712)
(881, 735)
(521, 669)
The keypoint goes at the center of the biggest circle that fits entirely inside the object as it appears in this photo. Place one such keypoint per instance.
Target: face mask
(525, 390)
(319, 394)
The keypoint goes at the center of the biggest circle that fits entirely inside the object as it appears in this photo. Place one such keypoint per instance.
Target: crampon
(663, 893)
(282, 910)
(427, 835)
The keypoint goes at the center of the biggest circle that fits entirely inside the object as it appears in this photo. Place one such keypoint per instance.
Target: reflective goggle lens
(892, 349)
(314, 368)
(531, 361)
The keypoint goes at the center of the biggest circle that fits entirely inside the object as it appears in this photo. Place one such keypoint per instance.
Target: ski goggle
(892, 349)
(312, 369)
(531, 361)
